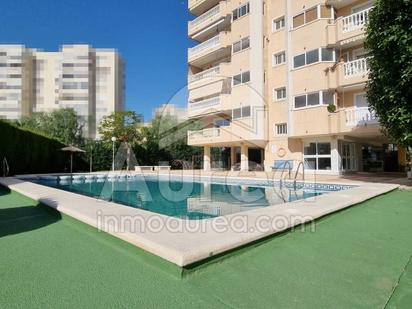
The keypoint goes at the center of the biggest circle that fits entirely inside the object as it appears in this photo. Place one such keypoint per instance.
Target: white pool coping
(176, 243)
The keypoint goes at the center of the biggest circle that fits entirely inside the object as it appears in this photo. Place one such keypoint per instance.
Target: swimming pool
(188, 198)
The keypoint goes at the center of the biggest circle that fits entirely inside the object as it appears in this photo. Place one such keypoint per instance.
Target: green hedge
(31, 153)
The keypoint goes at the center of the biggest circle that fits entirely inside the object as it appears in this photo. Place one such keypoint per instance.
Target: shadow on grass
(25, 218)
(4, 191)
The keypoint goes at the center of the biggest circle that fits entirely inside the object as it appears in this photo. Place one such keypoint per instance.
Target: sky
(151, 36)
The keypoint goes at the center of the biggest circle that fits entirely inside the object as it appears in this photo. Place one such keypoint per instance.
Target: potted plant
(331, 108)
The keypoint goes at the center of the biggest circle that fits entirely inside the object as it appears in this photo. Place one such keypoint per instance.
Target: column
(335, 156)
(206, 158)
(244, 158)
(232, 157)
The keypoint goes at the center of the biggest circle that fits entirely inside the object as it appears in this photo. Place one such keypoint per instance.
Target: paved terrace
(355, 178)
(357, 258)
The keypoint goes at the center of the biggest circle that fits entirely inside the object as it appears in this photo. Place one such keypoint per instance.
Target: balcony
(356, 68)
(352, 73)
(206, 77)
(356, 116)
(348, 30)
(203, 107)
(337, 4)
(239, 130)
(351, 121)
(211, 50)
(209, 23)
(211, 136)
(355, 21)
(197, 7)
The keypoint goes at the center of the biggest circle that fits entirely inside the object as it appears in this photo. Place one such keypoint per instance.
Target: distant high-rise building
(180, 113)
(16, 87)
(91, 81)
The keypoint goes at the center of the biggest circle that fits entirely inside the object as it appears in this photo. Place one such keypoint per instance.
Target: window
(327, 54)
(315, 98)
(237, 47)
(241, 78)
(222, 122)
(237, 113)
(75, 85)
(314, 13)
(300, 101)
(317, 156)
(278, 24)
(361, 100)
(280, 94)
(311, 14)
(241, 45)
(328, 97)
(75, 65)
(298, 20)
(299, 61)
(281, 128)
(245, 43)
(241, 11)
(312, 56)
(279, 58)
(241, 112)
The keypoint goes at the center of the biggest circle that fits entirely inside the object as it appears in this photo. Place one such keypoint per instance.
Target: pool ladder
(6, 167)
(301, 164)
(287, 165)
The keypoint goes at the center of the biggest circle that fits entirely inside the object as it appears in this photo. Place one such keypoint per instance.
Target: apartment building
(279, 82)
(91, 81)
(16, 92)
(170, 110)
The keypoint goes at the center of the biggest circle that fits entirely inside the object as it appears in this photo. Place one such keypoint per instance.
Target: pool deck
(356, 258)
(183, 245)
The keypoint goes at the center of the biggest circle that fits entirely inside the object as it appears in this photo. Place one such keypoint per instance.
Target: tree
(61, 124)
(389, 90)
(165, 139)
(98, 154)
(125, 126)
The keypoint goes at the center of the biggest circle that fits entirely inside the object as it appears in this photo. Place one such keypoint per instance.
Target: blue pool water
(191, 199)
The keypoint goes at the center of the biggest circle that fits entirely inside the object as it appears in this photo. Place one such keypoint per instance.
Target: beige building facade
(170, 110)
(91, 81)
(279, 82)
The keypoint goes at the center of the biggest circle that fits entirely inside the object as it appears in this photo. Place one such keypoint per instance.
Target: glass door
(348, 155)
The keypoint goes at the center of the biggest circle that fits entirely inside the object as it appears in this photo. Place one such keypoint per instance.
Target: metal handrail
(296, 174)
(6, 167)
(284, 167)
(283, 170)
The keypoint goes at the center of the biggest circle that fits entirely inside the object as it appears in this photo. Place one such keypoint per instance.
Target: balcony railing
(360, 115)
(356, 20)
(207, 133)
(209, 44)
(356, 67)
(204, 104)
(206, 16)
(192, 3)
(215, 71)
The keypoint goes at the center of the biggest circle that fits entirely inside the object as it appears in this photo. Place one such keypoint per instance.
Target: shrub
(32, 153)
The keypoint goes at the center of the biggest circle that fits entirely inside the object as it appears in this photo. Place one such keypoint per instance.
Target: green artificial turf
(357, 258)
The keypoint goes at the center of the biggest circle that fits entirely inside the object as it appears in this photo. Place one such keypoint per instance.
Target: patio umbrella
(72, 150)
